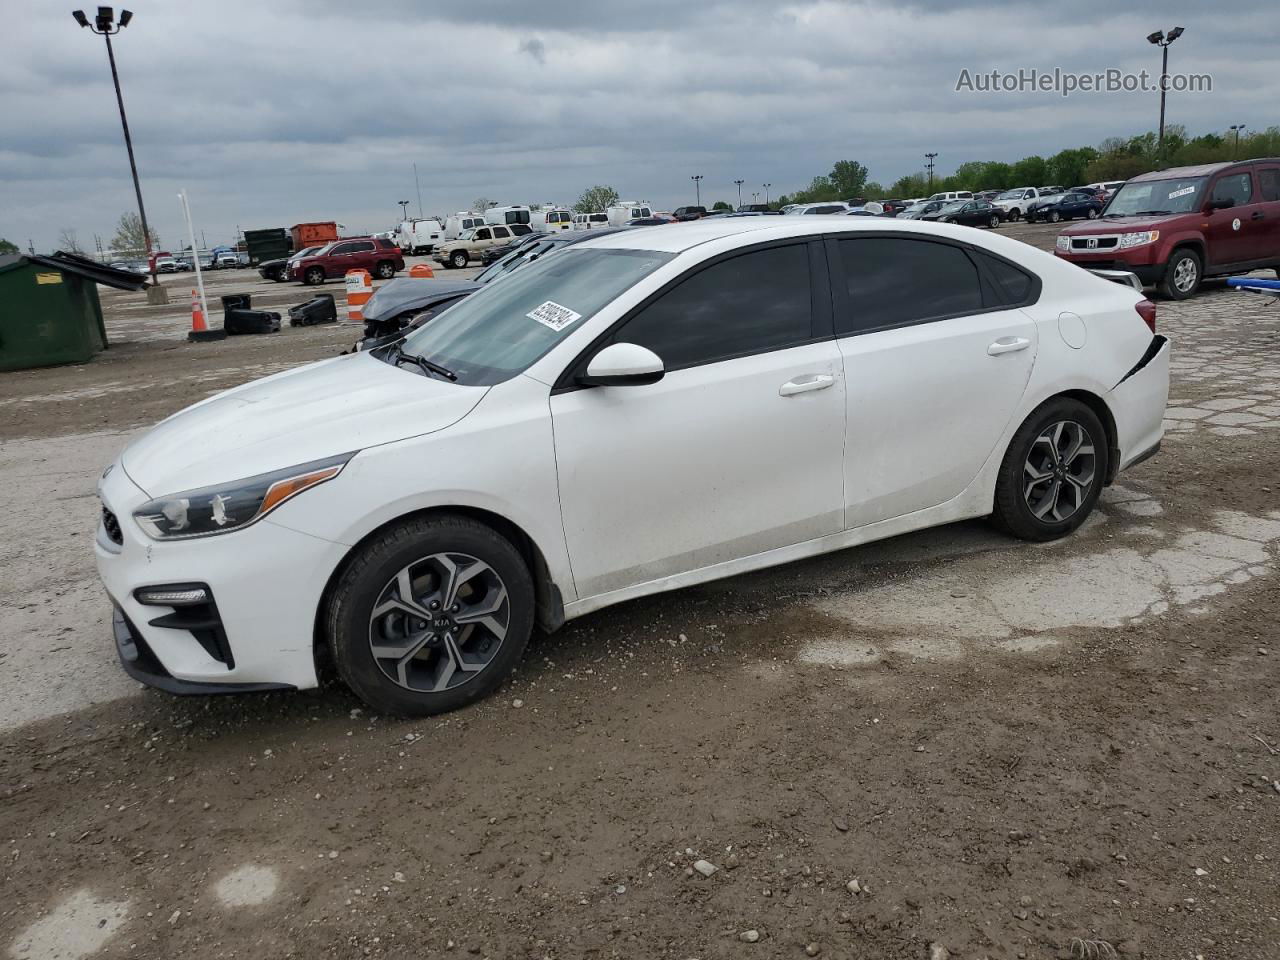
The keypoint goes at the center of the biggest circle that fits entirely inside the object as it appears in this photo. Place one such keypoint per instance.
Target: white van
(419, 235)
(552, 218)
(952, 195)
(455, 224)
(517, 213)
(589, 221)
(625, 210)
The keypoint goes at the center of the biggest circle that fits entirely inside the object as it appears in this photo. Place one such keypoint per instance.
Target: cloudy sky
(274, 113)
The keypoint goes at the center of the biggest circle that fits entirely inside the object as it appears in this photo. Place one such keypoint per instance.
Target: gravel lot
(1017, 751)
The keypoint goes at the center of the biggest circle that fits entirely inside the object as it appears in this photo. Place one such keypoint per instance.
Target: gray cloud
(274, 114)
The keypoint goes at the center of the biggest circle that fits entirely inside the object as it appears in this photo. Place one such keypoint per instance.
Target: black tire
(385, 269)
(1014, 214)
(367, 577)
(1182, 275)
(1054, 216)
(314, 276)
(993, 222)
(1020, 496)
(1092, 214)
(458, 258)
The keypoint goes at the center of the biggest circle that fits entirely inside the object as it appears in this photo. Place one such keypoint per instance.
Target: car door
(1268, 175)
(937, 356)
(338, 261)
(362, 256)
(501, 235)
(1235, 233)
(483, 237)
(736, 451)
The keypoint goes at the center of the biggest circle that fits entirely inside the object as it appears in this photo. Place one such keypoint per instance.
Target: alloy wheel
(1185, 274)
(1059, 471)
(439, 622)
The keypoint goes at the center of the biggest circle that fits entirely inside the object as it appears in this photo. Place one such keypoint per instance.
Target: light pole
(404, 209)
(103, 26)
(766, 192)
(1162, 41)
(930, 157)
(1235, 147)
(739, 183)
(697, 187)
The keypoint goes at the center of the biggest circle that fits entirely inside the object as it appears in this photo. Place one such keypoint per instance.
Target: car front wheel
(1054, 216)
(993, 222)
(430, 615)
(1181, 275)
(458, 258)
(314, 276)
(1053, 471)
(1092, 214)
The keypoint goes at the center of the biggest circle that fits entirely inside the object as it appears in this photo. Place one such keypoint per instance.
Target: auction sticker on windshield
(553, 315)
(1182, 193)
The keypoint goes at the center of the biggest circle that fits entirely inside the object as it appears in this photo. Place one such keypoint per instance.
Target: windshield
(1157, 197)
(951, 207)
(1012, 194)
(500, 330)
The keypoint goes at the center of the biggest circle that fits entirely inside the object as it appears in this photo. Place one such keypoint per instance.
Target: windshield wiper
(1153, 213)
(398, 357)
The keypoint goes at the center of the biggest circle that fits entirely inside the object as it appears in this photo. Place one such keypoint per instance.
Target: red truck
(313, 234)
(379, 256)
(1172, 228)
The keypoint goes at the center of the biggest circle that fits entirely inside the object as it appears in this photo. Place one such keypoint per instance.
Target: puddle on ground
(247, 886)
(78, 927)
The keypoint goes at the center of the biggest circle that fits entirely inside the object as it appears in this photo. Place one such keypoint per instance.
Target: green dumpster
(49, 309)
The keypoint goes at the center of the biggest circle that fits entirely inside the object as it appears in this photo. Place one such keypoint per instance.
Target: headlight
(1064, 243)
(1138, 239)
(231, 506)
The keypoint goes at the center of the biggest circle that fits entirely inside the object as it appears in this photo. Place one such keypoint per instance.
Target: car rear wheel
(314, 276)
(430, 615)
(1053, 471)
(1182, 275)
(458, 258)
(385, 269)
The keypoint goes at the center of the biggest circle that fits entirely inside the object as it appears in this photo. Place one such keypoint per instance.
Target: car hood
(308, 413)
(413, 293)
(1122, 224)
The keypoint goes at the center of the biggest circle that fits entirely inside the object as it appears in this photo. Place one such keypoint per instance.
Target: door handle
(1257, 215)
(1008, 345)
(818, 381)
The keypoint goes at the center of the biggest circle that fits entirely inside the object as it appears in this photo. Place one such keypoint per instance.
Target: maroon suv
(379, 256)
(1175, 227)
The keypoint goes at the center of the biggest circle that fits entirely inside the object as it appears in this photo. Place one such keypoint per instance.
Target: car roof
(1199, 170)
(667, 239)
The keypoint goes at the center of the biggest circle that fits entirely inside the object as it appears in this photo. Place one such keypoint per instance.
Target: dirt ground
(1016, 751)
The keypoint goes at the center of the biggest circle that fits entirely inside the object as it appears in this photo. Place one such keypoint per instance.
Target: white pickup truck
(1015, 202)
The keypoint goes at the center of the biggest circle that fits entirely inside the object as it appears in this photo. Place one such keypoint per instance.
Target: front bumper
(1149, 273)
(268, 582)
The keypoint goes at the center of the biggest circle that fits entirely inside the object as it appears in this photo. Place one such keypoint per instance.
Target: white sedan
(638, 413)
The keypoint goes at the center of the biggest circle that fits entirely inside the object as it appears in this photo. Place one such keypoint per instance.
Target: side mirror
(1222, 203)
(623, 365)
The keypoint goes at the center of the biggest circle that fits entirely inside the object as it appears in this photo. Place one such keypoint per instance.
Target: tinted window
(752, 303)
(341, 248)
(482, 234)
(501, 233)
(1269, 183)
(1237, 187)
(894, 281)
(1013, 283)
(359, 247)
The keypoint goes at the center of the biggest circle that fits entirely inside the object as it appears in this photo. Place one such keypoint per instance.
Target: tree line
(1115, 158)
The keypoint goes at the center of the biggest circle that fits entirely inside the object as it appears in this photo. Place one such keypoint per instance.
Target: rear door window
(1269, 183)
(897, 281)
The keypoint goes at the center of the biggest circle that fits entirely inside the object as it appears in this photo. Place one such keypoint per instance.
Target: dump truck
(270, 243)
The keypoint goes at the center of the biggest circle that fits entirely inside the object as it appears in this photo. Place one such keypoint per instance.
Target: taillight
(1147, 311)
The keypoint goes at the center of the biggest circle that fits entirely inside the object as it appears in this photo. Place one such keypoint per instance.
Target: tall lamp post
(105, 25)
(739, 183)
(404, 209)
(697, 187)
(1235, 147)
(766, 192)
(930, 157)
(1161, 40)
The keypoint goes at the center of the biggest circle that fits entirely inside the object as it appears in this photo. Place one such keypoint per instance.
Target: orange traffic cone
(421, 270)
(200, 331)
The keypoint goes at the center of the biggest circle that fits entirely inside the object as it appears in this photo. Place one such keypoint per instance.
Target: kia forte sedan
(640, 412)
